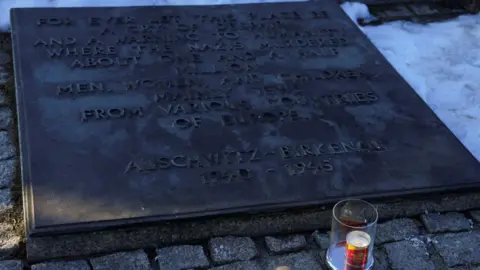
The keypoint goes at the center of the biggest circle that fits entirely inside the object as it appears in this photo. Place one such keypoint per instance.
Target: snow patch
(6, 5)
(356, 11)
(441, 61)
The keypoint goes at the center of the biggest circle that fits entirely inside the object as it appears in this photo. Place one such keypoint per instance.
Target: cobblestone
(450, 203)
(4, 76)
(6, 202)
(11, 265)
(7, 172)
(137, 260)
(395, 230)
(398, 11)
(5, 58)
(409, 255)
(3, 98)
(472, 6)
(277, 245)
(9, 241)
(458, 248)
(475, 215)
(6, 118)
(71, 265)
(381, 260)
(321, 239)
(296, 261)
(181, 257)
(7, 150)
(230, 249)
(452, 251)
(248, 265)
(423, 10)
(465, 268)
(449, 222)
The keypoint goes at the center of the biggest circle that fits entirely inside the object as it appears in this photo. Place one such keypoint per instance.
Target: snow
(439, 60)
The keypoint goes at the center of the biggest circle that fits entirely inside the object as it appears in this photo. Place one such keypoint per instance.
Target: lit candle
(356, 254)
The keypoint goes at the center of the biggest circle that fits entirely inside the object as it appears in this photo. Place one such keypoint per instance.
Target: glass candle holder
(352, 235)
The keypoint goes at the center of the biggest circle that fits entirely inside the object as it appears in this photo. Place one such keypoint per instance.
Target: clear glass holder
(352, 235)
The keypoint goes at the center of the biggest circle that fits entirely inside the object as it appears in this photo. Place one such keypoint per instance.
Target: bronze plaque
(141, 114)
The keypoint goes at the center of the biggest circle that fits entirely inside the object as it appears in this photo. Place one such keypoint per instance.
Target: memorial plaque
(143, 114)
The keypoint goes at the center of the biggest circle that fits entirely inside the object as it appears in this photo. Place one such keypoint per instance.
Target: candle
(352, 221)
(356, 254)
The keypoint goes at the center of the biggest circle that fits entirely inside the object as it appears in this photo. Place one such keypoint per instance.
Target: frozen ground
(440, 60)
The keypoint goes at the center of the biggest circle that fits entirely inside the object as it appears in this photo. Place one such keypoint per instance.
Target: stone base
(472, 5)
(191, 231)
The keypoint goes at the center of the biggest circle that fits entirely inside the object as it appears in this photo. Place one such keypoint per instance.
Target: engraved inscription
(180, 112)
(52, 21)
(111, 113)
(82, 51)
(239, 161)
(208, 160)
(204, 107)
(104, 62)
(307, 43)
(216, 69)
(226, 177)
(318, 149)
(313, 167)
(81, 88)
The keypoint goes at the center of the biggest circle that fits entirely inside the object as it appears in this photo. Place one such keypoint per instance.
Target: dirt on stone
(13, 216)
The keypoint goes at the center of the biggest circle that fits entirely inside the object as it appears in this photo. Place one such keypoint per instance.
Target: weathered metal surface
(143, 114)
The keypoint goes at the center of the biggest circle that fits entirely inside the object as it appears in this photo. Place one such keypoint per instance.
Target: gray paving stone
(395, 12)
(321, 239)
(408, 255)
(4, 76)
(456, 203)
(409, 208)
(278, 245)
(295, 261)
(181, 257)
(11, 265)
(71, 265)
(4, 58)
(458, 248)
(449, 222)
(9, 241)
(465, 268)
(137, 260)
(230, 249)
(423, 9)
(395, 230)
(475, 215)
(6, 202)
(3, 98)
(381, 260)
(248, 265)
(7, 172)
(6, 118)
(7, 150)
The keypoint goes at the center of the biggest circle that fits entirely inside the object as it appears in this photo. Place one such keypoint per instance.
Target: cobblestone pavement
(447, 239)
(431, 241)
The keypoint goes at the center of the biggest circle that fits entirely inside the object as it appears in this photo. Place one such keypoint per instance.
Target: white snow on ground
(441, 61)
